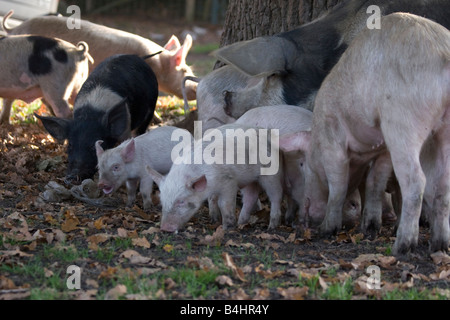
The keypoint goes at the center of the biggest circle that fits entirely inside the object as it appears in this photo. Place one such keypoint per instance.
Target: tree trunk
(248, 19)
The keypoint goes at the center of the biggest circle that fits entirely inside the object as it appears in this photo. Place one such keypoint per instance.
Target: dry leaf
(230, 264)
(6, 283)
(98, 224)
(70, 224)
(224, 280)
(122, 233)
(440, 257)
(216, 238)
(293, 293)
(141, 242)
(116, 292)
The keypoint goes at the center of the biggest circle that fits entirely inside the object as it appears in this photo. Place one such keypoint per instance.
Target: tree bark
(248, 19)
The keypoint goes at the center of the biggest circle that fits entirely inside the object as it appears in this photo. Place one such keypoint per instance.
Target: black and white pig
(288, 68)
(33, 67)
(118, 97)
(387, 97)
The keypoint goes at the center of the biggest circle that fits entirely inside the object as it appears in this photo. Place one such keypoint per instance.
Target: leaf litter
(116, 245)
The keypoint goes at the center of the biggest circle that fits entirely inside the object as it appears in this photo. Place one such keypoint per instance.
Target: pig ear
(57, 127)
(129, 151)
(198, 184)
(298, 141)
(263, 56)
(98, 148)
(117, 119)
(172, 44)
(179, 57)
(156, 176)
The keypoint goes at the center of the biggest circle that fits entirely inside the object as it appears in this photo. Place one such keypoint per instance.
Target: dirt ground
(124, 255)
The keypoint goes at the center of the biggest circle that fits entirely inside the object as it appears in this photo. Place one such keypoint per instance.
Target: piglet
(210, 168)
(127, 163)
(289, 119)
(118, 97)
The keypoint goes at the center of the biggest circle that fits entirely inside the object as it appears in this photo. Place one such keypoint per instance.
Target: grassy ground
(122, 254)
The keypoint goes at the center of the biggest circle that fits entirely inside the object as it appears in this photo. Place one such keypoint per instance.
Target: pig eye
(115, 168)
(179, 203)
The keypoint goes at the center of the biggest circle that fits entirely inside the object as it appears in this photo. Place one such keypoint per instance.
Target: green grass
(23, 113)
(197, 283)
(339, 291)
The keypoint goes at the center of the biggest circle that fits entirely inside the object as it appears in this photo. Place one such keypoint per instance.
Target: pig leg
(249, 199)
(440, 229)
(6, 110)
(406, 162)
(291, 212)
(146, 188)
(214, 211)
(376, 182)
(57, 95)
(337, 173)
(273, 187)
(227, 205)
(131, 191)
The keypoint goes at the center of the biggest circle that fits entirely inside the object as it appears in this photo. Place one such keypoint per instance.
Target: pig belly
(26, 94)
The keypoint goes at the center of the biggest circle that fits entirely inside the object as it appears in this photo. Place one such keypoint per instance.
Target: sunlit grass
(167, 106)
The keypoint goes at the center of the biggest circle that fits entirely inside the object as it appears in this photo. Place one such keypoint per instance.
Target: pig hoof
(228, 226)
(403, 249)
(371, 230)
(328, 231)
(439, 245)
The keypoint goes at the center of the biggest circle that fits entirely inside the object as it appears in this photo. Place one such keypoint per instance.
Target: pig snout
(227, 95)
(107, 188)
(169, 227)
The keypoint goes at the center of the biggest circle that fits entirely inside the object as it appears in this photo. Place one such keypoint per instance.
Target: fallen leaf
(98, 224)
(216, 238)
(122, 233)
(440, 257)
(134, 257)
(168, 248)
(116, 292)
(70, 223)
(6, 283)
(151, 230)
(224, 280)
(141, 242)
(293, 293)
(109, 273)
(230, 264)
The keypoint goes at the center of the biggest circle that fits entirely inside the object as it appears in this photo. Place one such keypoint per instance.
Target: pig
(118, 97)
(368, 107)
(289, 119)
(188, 184)
(170, 66)
(210, 95)
(34, 67)
(127, 163)
(289, 67)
